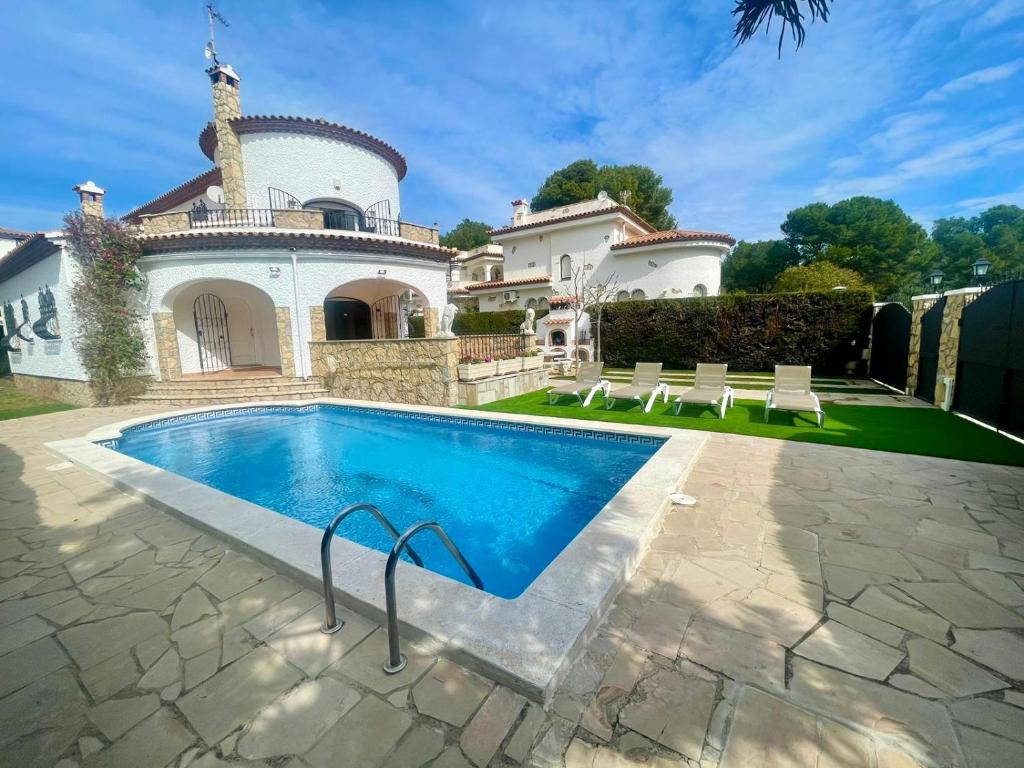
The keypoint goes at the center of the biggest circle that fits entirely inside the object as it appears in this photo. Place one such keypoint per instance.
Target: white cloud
(968, 82)
(977, 204)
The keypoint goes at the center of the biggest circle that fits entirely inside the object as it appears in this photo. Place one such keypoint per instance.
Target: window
(543, 303)
(496, 273)
(622, 296)
(565, 265)
(558, 338)
(531, 303)
(638, 294)
(700, 290)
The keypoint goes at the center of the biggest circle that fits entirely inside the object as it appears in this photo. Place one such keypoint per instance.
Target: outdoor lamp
(980, 267)
(935, 278)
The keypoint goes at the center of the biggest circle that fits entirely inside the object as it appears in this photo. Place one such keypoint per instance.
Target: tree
(636, 185)
(584, 294)
(754, 267)
(467, 235)
(996, 234)
(753, 13)
(819, 276)
(870, 236)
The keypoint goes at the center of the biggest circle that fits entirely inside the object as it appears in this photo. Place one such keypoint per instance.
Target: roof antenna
(211, 16)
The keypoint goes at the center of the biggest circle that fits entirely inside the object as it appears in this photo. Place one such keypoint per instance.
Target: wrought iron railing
(356, 222)
(496, 346)
(230, 217)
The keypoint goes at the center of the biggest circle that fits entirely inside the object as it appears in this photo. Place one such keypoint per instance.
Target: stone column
(167, 355)
(429, 322)
(284, 340)
(317, 325)
(918, 306)
(949, 339)
(227, 105)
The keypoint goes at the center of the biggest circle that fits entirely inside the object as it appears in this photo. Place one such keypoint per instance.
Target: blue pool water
(510, 498)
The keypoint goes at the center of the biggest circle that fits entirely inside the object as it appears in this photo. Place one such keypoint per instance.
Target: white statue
(446, 322)
(527, 325)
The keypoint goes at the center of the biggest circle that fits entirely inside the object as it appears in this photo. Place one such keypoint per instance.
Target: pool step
(220, 391)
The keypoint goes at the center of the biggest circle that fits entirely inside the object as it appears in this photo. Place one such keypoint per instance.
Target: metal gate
(928, 360)
(211, 318)
(890, 346)
(990, 366)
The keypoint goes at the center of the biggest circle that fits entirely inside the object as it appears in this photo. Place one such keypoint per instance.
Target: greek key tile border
(510, 426)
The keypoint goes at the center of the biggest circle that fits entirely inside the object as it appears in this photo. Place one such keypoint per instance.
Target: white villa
(293, 235)
(533, 262)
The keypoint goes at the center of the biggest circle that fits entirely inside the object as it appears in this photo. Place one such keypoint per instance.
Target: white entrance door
(244, 347)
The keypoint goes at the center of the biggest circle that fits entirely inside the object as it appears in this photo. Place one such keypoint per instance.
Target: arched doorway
(213, 337)
(346, 319)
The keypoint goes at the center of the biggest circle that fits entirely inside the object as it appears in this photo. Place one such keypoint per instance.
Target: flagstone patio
(821, 606)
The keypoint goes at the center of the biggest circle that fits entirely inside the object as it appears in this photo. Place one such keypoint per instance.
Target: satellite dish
(602, 195)
(215, 193)
(208, 52)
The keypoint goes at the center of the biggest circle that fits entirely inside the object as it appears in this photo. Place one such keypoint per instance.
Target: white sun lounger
(792, 392)
(588, 379)
(646, 384)
(709, 388)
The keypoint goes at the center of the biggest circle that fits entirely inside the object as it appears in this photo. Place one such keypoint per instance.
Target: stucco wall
(319, 273)
(310, 167)
(54, 359)
(417, 371)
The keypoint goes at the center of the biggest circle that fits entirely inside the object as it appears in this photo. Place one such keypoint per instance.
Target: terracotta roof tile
(14, 234)
(180, 194)
(309, 125)
(625, 210)
(672, 235)
(509, 283)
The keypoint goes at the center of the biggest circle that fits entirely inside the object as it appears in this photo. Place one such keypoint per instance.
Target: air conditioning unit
(510, 296)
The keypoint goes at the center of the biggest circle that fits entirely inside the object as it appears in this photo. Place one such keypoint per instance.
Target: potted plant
(508, 365)
(473, 368)
(533, 360)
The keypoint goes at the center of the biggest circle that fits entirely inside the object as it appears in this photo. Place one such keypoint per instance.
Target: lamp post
(980, 269)
(935, 278)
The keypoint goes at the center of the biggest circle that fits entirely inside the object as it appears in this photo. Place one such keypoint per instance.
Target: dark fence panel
(495, 346)
(890, 345)
(990, 365)
(928, 361)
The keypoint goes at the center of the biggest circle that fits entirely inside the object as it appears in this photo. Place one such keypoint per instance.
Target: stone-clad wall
(919, 305)
(416, 371)
(162, 223)
(63, 390)
(949, 340)
(317, 325)
(298, 219)
(284, 340)
(167, 356)
(419, 233)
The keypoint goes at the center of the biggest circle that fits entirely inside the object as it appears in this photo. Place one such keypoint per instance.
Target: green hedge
(507, 321)
(749, 332)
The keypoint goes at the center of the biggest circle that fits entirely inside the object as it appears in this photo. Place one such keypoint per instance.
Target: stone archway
(367, 309)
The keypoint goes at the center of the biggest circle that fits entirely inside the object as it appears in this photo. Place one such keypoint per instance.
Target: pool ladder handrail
(331, 621)
(396, 659)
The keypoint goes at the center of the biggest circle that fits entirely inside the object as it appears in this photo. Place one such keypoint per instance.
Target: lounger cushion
(793, 401)
(630, 391)
(702, 395)
(572, 389)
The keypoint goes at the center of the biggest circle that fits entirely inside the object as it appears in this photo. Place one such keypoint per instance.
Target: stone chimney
(227, 105)
(520, 210)
(91, 197)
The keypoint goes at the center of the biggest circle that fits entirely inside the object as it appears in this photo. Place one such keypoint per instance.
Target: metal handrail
(396, 659)
(331, 621)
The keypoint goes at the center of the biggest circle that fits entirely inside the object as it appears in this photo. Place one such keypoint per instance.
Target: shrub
(749, 332)
(105, 296)
(507, 321)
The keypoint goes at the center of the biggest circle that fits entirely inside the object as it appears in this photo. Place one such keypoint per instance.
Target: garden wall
(749, 332)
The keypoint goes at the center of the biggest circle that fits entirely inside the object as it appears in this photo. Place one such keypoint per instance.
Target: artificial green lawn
(924, 431)
(15, 403)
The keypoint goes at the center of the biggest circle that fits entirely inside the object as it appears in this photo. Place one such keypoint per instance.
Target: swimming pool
(511, 495)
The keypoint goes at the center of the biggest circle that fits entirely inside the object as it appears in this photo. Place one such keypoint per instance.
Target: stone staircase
(219, 391)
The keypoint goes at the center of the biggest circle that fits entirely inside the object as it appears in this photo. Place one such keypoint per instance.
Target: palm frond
(755, 13)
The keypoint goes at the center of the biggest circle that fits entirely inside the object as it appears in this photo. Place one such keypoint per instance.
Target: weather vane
(211, 16)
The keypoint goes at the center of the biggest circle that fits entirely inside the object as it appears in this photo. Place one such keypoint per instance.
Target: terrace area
(820, 605)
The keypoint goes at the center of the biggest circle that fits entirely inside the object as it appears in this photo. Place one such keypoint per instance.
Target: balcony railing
(230, 217)
(355, 222)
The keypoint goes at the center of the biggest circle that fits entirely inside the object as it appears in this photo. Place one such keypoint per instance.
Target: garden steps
(221, 391)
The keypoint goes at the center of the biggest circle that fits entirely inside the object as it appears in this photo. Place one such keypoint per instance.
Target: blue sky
(915, 100)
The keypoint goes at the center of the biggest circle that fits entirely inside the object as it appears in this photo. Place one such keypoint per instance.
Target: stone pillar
(487, 273)
(227, 105)
(429, 322)
(317, 325)
(949, 339)
(284, 340)
(91, 198)
(167, 355)
(918, 306)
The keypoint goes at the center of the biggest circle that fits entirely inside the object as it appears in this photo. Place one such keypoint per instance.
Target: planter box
(474, 371)
(533, 363)
(510, 366)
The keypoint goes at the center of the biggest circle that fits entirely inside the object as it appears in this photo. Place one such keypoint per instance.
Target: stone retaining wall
(64, 390)
(499, 387)
(416, 371)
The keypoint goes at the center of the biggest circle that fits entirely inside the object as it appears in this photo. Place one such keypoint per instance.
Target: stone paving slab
(128, 637)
